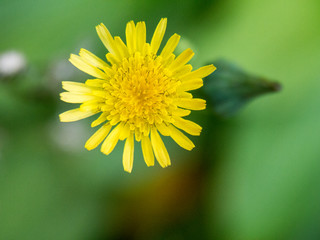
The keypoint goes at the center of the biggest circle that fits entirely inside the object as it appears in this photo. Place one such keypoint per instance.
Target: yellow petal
(100, 93)
(147, 150)
(75, 115)
(131, 37)
(91, 106)
(107, 108)
(182, 59)
(181, 112)
(112, 140)
(170, 46)
(125, 131)
(98, 137)
(146, 49)
(123, 50)
(182, 71)
(158, 35)
(92, 59)
(137, 135)
(185, 95)
(102, 118)
(191, 84)
(76, 87)
(199, 73)
(187, 126)
(115, 119)
(145, 128)
(169, 60)
(107, 39)
(112, 58)
(128, 151)
(163, 129)
(76, 97)
(180, 138)
(159, 149)
(95, 83)
(191, 103)
(141, 35)
(86, 67)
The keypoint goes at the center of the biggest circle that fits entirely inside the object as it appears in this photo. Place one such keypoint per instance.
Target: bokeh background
(252, 176)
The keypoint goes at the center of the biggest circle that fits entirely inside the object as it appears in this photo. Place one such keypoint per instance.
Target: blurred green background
(253, 176)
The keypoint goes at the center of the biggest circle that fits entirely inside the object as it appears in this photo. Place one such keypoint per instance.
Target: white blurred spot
(62, 70)
(69, 136)
(11, 62)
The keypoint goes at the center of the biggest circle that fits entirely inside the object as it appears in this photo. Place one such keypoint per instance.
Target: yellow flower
(138, 93)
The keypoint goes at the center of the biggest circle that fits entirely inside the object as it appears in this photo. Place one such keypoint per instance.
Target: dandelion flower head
(138, 93)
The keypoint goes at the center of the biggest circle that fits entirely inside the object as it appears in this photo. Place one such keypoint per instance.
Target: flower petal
(178, 73)
(159, 149)
(137, 135)
(102, 118)
(181, 60)
(122, 48)
(98, 137)
(191, 84)
(141, 35)
(128, 152)
(107, 39)
(86, 67)
(76, 97)
(170, 46)
(200, 73)
(147, 150)
(187, 126)
(158, 35)
(163, 129)
(92, 59)
(181, 139)
(125, 131)
(95, 83)
(91, 105)
(112, 140)
(131, 37)
(185, 95)
(181, 112)
(112, 58)
(191, 103)
(76, 87)
(75, 115)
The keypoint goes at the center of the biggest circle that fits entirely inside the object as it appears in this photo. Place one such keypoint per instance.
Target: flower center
(142, 92)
